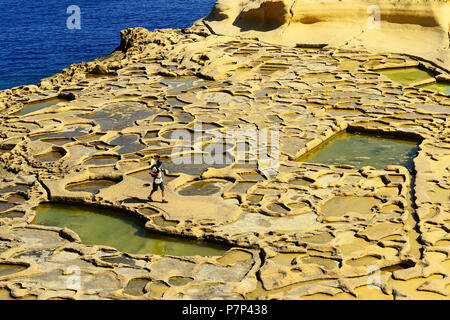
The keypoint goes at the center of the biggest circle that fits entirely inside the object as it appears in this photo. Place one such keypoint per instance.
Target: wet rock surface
(307, 230)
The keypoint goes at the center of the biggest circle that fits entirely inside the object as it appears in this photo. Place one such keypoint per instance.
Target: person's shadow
(135, 200)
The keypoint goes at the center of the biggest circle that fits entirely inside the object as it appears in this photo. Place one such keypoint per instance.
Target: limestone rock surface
(417, 27)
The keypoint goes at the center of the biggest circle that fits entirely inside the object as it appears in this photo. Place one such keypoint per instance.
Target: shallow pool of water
(7, 269)
(35, 106)
(49, 156)
(93, 186)
(128, 144)
(406, 76)
(204, 188)
(339, 206)
(442, 87)
(120, 230)
(102, 160)
(363, 150)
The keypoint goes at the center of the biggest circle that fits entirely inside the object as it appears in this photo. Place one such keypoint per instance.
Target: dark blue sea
(36, 40)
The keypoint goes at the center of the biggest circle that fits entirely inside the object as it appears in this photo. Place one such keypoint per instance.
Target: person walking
(157, 173)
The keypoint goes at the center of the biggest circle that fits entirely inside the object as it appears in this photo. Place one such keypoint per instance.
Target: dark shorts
(158, 185)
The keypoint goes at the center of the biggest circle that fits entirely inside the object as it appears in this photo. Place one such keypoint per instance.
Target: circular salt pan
(204, 188)
(223, 97)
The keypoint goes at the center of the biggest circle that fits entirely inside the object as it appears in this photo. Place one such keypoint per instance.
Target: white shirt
(158, 179)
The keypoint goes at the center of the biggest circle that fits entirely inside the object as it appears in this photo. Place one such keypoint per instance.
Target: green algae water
(97, 226)
(406, 76)
(361, 150)
(442, 87)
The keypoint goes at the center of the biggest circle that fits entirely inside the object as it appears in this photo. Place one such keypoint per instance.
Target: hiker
(157, 172)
